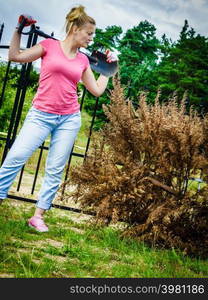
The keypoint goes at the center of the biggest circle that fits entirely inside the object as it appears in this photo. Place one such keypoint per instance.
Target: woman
(55, 108)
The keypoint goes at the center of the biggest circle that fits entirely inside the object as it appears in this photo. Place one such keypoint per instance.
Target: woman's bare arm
(23, 56)
(95, 87)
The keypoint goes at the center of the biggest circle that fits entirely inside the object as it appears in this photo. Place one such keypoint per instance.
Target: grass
(76, 248)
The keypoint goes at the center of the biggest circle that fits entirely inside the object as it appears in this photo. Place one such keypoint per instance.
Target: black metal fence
(16, 115)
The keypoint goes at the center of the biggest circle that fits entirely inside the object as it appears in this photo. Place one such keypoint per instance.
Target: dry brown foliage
(139, 170)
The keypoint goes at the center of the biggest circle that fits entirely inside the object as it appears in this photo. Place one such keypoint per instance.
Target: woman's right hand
(29, 54)
(28, 20)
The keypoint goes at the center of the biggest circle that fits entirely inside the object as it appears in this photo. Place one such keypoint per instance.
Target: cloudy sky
(167, 15)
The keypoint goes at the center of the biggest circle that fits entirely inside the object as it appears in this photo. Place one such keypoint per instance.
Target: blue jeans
(37, 126)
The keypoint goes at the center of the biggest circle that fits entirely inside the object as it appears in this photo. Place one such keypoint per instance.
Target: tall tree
(185, 68)
(106, 39)
(139, 50)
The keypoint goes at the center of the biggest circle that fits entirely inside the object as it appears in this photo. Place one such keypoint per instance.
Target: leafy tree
(7, 100)
(106, 39)
(185, 68)
(165, 46)
(139, 52)
(33, 80)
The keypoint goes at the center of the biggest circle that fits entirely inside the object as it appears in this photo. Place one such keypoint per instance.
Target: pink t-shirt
(59, 75)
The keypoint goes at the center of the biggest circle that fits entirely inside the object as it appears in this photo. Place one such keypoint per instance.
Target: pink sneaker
(38, 224)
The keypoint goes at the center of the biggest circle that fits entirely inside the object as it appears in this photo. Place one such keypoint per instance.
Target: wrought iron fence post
(24, 84)
(91, 127)
(14, 120)
(1, 30)
(6, 77)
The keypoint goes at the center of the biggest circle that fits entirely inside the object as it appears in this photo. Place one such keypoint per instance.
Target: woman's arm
(24, 56)
(95, 87)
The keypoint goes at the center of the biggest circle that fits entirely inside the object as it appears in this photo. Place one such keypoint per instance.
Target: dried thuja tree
(139, 172)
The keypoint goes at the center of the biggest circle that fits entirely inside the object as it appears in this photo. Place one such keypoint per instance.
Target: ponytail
(77, 16)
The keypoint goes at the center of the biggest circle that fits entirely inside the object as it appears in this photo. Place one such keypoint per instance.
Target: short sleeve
(86, 62)
(45, 44)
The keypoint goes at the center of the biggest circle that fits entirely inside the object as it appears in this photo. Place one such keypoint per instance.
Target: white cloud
(167, 15)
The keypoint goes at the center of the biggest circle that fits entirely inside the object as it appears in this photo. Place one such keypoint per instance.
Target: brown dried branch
(138, 171)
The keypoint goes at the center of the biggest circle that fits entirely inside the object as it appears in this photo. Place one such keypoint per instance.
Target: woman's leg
(31, 136)
(62, 140)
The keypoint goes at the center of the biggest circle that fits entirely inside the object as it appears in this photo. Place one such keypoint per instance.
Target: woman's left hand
(111, 56)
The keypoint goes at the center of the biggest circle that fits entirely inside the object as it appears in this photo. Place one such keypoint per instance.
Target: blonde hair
(77, 16)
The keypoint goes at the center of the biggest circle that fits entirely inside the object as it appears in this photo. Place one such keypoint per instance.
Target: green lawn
(75, 248)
